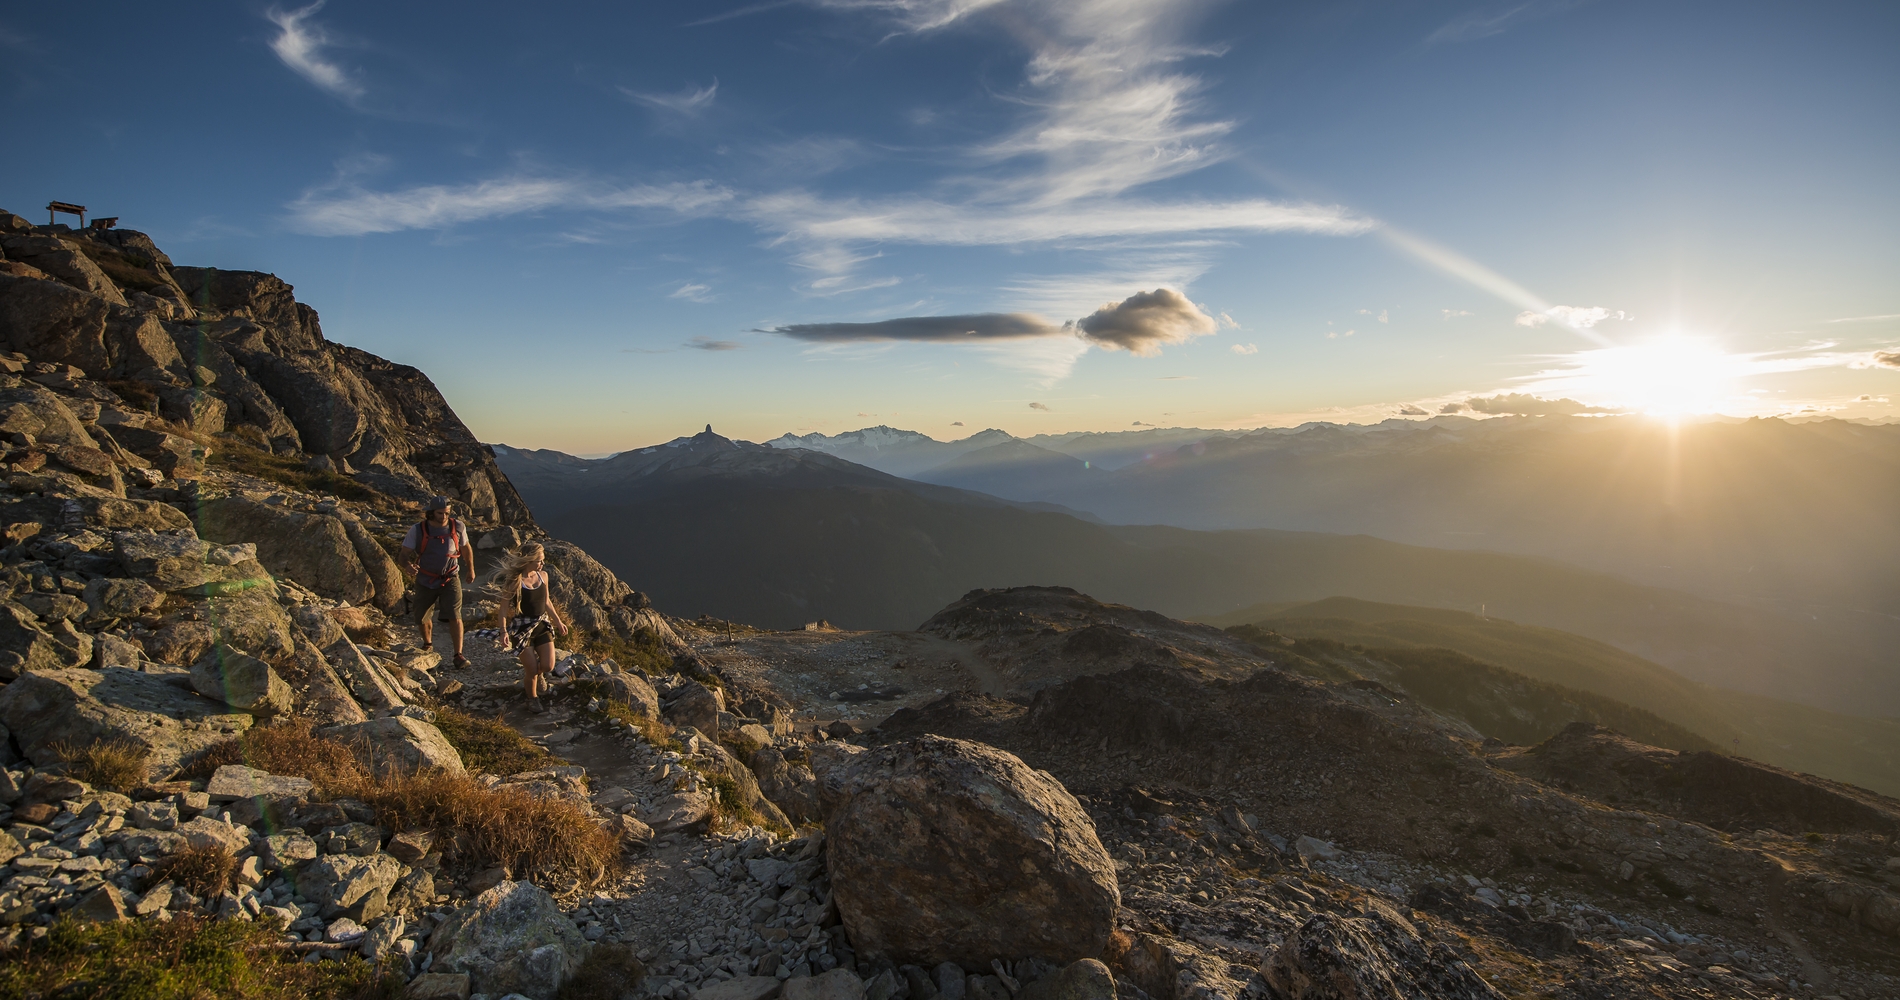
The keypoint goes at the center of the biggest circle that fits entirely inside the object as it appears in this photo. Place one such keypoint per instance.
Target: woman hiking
(528, 618)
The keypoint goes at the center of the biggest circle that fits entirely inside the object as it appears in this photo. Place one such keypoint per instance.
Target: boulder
(399, 742)
(102, 905)
(243, 682)
(180, 642)
(372, 686)
(112, 597)
(25, 646)
(747, 787)
(696, 706)
(512, 939)
(251, 621)
(947, 850)
(311, 548)
(171, 723)
(61, 258)
(791, 787)
(634, 692)
(679, 811)
(385, 576)
(1380, 954)
(838, 984)
(52, 607)
(235, 781)
(169, 561)
(324, 698)
(504, 537)
(206, 833)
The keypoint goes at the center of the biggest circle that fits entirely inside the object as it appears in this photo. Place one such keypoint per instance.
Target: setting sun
(1669, 376)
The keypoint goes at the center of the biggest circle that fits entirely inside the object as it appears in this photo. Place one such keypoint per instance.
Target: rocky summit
(218, 722)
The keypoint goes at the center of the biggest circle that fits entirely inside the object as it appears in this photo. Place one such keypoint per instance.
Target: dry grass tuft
(611, 972)
(206, 871)
(532, 837)
(114, 764)
(537, 838)
(182, 959)
(490, 745)
(289, 748)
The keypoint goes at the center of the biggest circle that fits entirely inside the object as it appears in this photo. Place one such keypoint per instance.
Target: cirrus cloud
(1574, 317)
(299, 45)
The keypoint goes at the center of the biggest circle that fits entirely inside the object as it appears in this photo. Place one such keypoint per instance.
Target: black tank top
(534, 602)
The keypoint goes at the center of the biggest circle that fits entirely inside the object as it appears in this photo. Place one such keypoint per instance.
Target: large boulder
(171, 723)
(512, 939)
(112, 597)
(947, 850)
(63, 260)
(251, 621)
(313, 549)
(241, 681)
(746, 787)
(1380, 954)
(398, 742)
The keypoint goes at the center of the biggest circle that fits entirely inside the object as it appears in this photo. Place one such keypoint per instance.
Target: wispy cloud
(1865, 319)
(709, 344)
(345, 209)
(690, 101)
(300, 44)
(1040, 406)
(1244, 348)
(1574, 317)
(1496, 20)
(692, 292)
(1887, 359)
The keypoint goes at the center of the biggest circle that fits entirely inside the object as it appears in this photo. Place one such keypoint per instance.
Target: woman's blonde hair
(516, 564)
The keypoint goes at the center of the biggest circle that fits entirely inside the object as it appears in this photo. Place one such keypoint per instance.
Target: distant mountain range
(778, 537)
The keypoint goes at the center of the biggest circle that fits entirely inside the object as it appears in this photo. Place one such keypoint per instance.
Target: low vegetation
(491, 745)
(183, 959)
(287, 471)
(114, 765)
(545, 839)
(644, 653)
(206, 871)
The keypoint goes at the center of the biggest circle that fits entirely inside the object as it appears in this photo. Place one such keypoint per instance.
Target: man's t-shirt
(413, 540)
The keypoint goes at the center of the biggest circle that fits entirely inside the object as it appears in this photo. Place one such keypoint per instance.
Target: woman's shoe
(461, 662)
(535, 706)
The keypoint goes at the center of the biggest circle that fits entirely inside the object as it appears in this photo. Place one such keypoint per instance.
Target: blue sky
(602, 225)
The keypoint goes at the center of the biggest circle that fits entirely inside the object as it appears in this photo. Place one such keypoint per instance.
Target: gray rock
(790, 787)
(679, 811)
(438, 986)
(102, 905)
(1010, 864)
(241, 681)
(311, 548)
(204, 833)
(1312, 849)
(161, 815)
(111, 651)
(287, 850)
(53, 607)
(235, 781)
(337, 882)
(168, 561)
(9, 847)
(949, 978)
(512, 938)
(632, 691)
(383, 938)
(697, 706)
(408, 745)
(1085, 979)
(80, 707)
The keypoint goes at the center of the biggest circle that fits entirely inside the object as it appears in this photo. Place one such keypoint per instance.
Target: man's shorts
(448, 597)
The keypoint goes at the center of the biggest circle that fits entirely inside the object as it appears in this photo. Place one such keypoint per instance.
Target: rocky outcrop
(945, 850)
(317, 550)
(55, 709)
(514, 939)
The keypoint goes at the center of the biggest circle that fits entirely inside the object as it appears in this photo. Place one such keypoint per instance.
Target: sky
(598, 226)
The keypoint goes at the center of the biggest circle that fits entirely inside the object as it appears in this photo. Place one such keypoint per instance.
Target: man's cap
(438, 503)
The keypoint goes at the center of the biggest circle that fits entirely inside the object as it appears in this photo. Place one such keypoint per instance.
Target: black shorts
(448, 597)
(524, 631)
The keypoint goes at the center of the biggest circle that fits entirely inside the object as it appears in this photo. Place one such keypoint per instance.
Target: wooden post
(53, 208)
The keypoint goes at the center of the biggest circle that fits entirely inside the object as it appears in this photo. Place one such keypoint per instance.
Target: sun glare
(1667, 377)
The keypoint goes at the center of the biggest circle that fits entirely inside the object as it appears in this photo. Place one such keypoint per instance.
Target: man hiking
(438, 553)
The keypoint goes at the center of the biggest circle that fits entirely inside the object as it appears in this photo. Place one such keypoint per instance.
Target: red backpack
(440, 561)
